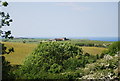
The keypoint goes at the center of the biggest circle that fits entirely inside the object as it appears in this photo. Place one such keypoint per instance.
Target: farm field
(86, 41)
(22, 50)
(93, 50)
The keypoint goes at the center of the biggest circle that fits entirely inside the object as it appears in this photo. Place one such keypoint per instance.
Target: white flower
(108, 57)
(116, 55)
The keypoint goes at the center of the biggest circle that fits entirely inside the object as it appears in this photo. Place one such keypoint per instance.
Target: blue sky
(63, 19)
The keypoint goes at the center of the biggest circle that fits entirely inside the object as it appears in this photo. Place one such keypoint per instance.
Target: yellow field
(21, 50)
(93, 50)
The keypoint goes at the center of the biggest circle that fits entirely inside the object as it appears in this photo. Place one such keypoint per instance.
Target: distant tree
(24, 41)
(97, 56)
(102, 55)
(87, 54)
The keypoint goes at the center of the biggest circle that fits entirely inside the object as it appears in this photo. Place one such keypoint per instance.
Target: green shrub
(55, 68)
(6, 69)
(113, 48)
(48, 58)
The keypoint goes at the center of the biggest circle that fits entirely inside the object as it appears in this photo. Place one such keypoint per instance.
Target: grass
(21, 51)
(93, 50)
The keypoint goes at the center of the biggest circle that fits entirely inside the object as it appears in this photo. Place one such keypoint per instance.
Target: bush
(114, 48)
(55, 68)
(72, 63)
(48, 58)
(6, 69)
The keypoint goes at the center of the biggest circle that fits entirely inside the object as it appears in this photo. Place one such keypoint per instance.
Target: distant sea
(99, 38)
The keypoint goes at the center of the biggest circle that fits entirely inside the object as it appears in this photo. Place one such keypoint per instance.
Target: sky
(63, 19)
(61, 0)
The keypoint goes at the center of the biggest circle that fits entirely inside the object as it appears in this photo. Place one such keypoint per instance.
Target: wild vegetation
(64, 60)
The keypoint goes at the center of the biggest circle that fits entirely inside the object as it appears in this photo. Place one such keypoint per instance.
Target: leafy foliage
(6, 74)
(4, 3)
(5, 21)
(113, 48)
(53, 58)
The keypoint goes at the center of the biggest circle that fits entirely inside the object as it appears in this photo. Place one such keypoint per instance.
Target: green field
(89, 41)
(93, 50)
(22, 50)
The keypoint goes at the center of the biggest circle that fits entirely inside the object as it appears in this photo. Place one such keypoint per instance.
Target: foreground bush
(49, 58)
